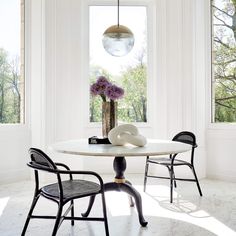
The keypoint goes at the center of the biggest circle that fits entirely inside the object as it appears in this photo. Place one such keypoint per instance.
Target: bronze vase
(109, 117)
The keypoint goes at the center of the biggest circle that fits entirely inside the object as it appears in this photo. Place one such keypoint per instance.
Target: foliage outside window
(128, 72)
(224, 60)
(11, 61)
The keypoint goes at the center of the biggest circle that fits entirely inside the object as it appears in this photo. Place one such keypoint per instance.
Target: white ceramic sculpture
(126, 133)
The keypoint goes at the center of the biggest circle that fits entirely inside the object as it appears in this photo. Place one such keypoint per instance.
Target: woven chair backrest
(41, 160)
(185, 137)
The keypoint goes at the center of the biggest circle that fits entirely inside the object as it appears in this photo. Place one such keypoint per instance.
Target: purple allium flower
(105, 89)
(99, 87)
(103, 82)
(95, 89)
(114, 92)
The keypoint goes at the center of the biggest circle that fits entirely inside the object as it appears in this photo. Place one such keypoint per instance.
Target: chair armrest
(81, 172)
(65, 166)
(68, 172)
(62, 164)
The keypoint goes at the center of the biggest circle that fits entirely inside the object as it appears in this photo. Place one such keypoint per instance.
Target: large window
(223, 60)
(128, 72)
(11, 61)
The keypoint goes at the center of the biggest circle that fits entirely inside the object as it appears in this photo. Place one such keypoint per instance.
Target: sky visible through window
(10, 26)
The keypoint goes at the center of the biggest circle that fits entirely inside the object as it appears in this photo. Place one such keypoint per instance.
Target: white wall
(183, 49)
(221, 153)
(15, 141)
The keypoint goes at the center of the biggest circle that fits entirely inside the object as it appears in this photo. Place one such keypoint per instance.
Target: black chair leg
(58, 219)
(35, 199)
(72, 212)
(171, 183)
(105, 214)
(145, 175)
(198, 185)
(174, 179)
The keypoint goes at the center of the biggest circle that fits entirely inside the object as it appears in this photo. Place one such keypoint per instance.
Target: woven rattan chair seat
(167, 161)
(72, 189)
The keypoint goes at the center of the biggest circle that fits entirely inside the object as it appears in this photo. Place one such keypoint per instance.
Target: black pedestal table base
(121, 184)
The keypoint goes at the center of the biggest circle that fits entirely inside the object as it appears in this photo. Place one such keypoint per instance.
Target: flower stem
(103, 97)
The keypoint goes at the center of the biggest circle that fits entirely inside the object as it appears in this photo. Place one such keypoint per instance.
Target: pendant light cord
(118, 13)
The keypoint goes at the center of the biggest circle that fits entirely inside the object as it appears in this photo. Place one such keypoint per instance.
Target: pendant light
(118, 40)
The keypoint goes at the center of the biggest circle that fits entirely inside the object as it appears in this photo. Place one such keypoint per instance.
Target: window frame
(151, 72)
(25, 6)
(211, 105)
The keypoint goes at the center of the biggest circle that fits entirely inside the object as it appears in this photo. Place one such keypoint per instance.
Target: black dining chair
(171, 162)
(63, 191)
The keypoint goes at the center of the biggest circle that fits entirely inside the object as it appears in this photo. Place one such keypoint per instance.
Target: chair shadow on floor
(180, 204)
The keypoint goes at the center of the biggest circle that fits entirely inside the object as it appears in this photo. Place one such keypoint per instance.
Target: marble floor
(212, 214)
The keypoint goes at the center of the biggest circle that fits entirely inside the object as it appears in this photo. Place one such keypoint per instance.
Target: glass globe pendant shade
(118, 40)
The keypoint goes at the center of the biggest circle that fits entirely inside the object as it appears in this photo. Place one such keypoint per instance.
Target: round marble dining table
(154, 147)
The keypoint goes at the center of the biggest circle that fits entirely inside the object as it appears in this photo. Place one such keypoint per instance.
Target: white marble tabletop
(152, 148)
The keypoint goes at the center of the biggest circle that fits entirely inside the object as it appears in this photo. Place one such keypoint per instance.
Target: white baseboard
(222, 177)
